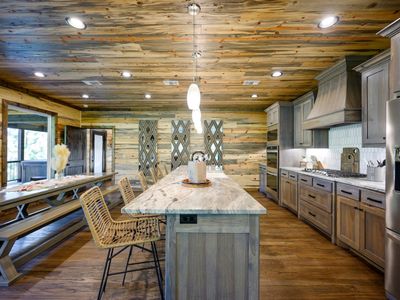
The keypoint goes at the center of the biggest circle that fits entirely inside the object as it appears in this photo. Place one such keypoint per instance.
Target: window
(35, 145)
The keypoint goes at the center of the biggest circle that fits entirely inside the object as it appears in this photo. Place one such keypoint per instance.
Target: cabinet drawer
(304, 179)
(293, 176)
(322, 184)
(316, 216)
(284, 173)
(373, 198)
(318, 198)
(348, 191)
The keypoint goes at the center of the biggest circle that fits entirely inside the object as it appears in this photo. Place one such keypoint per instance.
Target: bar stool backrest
(97, 215)
(153, 174)
(143, 181)
(126, 190)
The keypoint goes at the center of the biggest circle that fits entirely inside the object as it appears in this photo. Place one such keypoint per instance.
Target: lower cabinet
(362, 227)
(289, 193)
(372, 233)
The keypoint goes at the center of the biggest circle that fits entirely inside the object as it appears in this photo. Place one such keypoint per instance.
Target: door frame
(51, 130)
(103, 133)
(105, 127)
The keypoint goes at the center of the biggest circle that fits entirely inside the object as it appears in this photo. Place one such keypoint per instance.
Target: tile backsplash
(346, 136)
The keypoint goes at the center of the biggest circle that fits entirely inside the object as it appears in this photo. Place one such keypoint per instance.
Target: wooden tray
(187, 183)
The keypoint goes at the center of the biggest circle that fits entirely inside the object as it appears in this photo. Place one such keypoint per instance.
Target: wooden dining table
(212, 236)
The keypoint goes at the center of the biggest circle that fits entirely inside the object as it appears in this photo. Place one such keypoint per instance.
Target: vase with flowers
(60, 159)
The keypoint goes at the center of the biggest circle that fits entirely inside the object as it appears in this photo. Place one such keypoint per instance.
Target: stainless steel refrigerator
(392, 260)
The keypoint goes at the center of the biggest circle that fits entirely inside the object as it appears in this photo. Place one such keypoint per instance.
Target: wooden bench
(10, 234)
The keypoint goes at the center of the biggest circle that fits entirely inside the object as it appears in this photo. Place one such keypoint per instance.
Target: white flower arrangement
(60, 158)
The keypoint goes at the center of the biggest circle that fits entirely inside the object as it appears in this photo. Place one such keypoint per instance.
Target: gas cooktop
(335, 173)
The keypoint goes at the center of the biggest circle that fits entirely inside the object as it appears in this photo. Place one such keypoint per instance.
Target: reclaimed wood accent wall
(244, 139)
(65, 114)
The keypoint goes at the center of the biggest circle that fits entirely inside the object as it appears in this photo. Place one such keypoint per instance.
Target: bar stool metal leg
(105, 273)
(127, 264)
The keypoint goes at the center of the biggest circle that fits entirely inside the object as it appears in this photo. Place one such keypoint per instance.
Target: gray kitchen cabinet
(289, 191)
(306, 138)
(273, 116)
(374, 93)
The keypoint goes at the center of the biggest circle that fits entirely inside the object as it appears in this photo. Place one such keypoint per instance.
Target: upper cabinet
(307, 138)
(374, 93)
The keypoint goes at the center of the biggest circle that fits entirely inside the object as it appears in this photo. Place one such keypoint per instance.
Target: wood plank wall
(244, 139)
(65, 115)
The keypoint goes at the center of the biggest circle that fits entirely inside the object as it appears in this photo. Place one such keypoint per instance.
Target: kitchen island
(212, 236)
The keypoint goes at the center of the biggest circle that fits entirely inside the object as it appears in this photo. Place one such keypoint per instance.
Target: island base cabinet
(372, 234)
(212, 257)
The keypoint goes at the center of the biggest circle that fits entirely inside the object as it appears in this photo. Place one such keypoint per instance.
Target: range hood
(339, 96)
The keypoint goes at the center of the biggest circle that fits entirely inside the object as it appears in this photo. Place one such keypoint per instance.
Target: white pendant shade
(196, 116)
(193, 96)
(198, 127)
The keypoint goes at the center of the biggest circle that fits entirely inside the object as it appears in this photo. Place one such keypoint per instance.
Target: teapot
(197, 168)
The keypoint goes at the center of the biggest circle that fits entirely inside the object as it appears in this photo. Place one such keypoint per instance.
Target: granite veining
(359, 182)
(170, 196)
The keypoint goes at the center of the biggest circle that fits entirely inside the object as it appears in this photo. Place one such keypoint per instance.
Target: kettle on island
(197, 167)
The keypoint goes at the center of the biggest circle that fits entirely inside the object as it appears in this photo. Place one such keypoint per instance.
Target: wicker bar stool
(143, 181)
(153, 173)
(110, 234)
(162, 168)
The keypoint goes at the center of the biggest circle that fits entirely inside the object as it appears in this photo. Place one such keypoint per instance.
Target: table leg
(75, 195)
(57, 201)
(22, 211)
(7, 268)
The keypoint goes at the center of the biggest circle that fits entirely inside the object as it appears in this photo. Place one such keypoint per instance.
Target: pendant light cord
(193, 52)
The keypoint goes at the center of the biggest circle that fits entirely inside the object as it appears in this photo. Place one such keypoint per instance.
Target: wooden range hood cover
(339, 96)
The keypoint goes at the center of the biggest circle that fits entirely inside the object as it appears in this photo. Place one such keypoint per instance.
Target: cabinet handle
(304, 180)
(311, 214)
(384, 137)
(311, 196)
(321, 185)
(346, 192)
(373, 200)
(360, 209)
(355, 207)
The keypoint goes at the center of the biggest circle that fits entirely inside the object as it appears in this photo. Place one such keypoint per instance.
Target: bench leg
(7, 268)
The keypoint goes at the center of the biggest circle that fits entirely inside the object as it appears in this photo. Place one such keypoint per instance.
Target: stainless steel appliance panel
(393, 166)
(392, 265)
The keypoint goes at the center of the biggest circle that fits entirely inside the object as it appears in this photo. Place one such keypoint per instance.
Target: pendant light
(193, 95)
(196, 116)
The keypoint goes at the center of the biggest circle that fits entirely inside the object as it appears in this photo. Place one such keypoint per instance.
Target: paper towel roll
(197, 171)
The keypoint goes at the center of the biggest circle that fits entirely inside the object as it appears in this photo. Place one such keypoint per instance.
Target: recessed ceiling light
(85, 105)
(193, 9)
(85, 96)
(147, 96)
(277, 74)
(328, 22)
(254, 96)
(39, 74)
(75, 22)
(126, 74)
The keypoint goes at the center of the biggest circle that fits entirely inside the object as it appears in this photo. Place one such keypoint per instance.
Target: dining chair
(143, 181)
(110, 234)
(153, 174)
(162, 167)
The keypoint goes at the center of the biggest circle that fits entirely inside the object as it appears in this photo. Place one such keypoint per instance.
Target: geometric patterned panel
(213, 141)
(180, 142)
(147, 145)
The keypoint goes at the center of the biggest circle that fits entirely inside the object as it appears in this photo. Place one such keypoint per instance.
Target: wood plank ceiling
(240, 40)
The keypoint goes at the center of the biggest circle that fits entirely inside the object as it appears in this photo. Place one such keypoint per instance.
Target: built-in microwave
(272, 158)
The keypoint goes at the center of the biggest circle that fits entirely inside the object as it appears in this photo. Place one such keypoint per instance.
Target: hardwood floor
(296, 263)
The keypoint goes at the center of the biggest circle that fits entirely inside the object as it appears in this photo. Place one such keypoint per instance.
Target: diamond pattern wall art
(180, 143)
(213, 141)
(147, 145)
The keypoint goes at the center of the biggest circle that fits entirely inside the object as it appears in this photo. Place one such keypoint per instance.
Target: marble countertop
(169, 196)
(359, 182)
